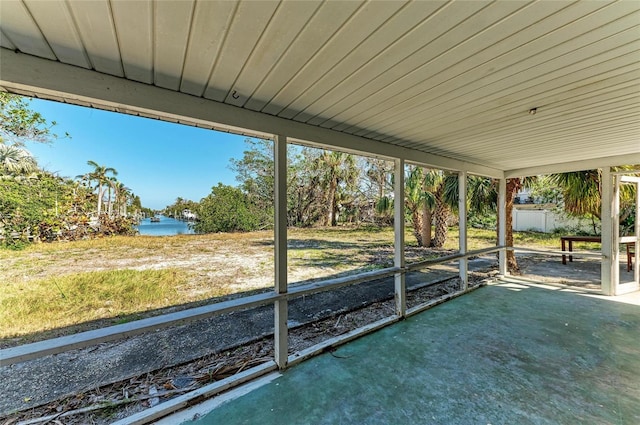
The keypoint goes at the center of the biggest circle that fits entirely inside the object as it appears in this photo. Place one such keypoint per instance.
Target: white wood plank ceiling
(456, 79)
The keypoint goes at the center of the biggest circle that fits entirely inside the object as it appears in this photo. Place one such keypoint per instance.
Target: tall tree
(100, 174)
(306, 205)
(431, 195)
(122, 197)
(19, 123)
(379, 174)
(338, 169)
(255, 173)
(483, 196)
(582, 192)
(419, 203)
(445, 193)
(513, 186)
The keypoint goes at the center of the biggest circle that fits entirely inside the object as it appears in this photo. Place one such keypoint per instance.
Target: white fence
(546, 220)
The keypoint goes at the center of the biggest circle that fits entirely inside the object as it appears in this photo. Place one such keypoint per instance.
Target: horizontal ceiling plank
(436, 58)
(289, 19)
(359, 26)
(249, 22)
(525, 124)
(94, 23)
(489, 97)
(616, 136)
(172, 21)
(326, 21)
(558, 101)
(558, 80)
(506, 142)
(489, 64)
(559, 126)
(133, 21)
(540, 97)
(582, 145)
(400, 37)
(211, 21)
(18, 25)
(512, 71)
(537, 161)
(24, 72)
(56, 23)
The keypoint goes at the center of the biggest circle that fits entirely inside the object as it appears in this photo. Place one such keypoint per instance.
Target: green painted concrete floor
(504, 354)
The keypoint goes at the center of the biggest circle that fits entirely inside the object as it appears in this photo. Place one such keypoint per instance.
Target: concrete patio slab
(582, 272)
(510, 353)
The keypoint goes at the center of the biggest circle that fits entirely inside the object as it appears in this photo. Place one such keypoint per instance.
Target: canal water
(167, 226)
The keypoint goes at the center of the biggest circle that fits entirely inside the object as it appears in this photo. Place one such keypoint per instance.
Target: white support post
(636, 266)
(615, 231)
(502, 229)
(281, 333)
(398, 227)
(462, 225)
(634, 285)
(606, 270)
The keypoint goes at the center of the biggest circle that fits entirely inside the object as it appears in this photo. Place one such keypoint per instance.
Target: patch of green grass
(536, 240)
(70, 299)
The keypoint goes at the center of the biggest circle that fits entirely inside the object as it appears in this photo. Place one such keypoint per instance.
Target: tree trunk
(417, 226)
(441, 216)
(425, 231)
(513, 186)
(100, 195)
(109, 203)
(333, 186)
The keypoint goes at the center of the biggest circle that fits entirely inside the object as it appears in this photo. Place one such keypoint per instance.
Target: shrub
(227, 209)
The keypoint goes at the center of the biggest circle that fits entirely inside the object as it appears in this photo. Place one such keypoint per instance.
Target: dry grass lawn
(60, 288)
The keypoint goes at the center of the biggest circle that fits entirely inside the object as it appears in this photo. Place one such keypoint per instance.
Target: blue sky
(159, 161)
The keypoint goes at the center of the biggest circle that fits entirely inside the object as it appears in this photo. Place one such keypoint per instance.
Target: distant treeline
(324, 188)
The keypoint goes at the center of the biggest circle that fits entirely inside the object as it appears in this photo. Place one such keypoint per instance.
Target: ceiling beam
(565, 167)
(29, 75)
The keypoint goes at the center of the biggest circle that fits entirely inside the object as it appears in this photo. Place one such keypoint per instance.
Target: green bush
(47, 208)
(227, 209)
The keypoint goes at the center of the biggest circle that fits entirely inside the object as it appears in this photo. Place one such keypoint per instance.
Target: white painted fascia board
(587, 164)
(26, 74)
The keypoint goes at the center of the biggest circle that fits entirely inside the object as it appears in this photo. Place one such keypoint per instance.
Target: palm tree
(380, 173)
(513, 187)
(446, 200)
(122, 196)
(338, 168)
(16, 161)
(419, 202)
(483, 197)
(100, 175)
(431, 195)
(582, 192)
(113, 186)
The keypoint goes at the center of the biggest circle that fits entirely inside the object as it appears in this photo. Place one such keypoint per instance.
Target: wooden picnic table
(572, 239)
